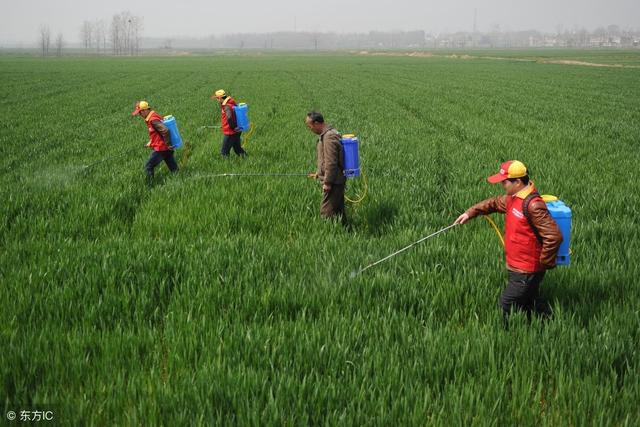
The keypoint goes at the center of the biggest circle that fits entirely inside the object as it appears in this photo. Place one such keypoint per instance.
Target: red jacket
(228, 116)
(521, 245)
(157, 139)
(523, 250)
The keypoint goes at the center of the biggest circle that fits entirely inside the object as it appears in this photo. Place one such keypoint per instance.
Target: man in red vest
(159, 140)
(229, 124)
(531, 238)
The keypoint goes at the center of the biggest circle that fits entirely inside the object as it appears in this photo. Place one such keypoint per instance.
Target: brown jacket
(540, 217)
(162, 129)
(330, 158)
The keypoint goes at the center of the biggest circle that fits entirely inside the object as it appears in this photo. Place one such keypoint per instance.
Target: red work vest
(522, 247)
(226, 129)
(157, 143)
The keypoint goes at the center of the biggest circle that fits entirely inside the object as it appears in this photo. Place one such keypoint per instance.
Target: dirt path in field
(588, 64)
(497, 58)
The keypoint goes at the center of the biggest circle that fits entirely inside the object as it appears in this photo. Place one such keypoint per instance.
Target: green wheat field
(227, 300)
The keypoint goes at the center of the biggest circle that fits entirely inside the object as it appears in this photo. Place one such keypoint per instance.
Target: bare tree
(100, 36)
(45, 39)
(126, 32)
(127, 20)
(136, 32)
(116, 34)
(59, 44)
(86, 34)
(126, 37)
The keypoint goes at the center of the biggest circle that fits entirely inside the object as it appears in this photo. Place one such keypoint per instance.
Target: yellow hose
(246, 137)
(364, 193)
(185, 154)
(495, 227)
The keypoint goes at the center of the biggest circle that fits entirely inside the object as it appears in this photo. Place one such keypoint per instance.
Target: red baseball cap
(141, 105)
(510, 169)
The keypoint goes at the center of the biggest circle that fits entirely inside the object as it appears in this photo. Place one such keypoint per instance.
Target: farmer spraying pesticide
(330, 168)
(230, 127)
(532, 237)
(159, 140)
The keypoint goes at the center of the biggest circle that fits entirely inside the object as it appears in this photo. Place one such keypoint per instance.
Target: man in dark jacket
(532, 237)
(330, 168)
(159, 140)
(230, 128)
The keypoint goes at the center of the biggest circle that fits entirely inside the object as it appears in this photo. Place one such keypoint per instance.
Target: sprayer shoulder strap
(525, 212)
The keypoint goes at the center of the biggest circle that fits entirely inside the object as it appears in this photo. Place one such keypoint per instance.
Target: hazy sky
(165, 18)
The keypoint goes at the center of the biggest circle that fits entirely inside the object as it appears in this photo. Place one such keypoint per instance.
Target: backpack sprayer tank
(242, 116)
(351, 158)
(561, 214)
(172, 125)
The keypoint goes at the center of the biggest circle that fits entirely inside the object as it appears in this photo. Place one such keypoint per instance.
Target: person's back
(228, 116)
(232, 133)
(532, 237)
(330, 157)
(330, 166)
(159, 140)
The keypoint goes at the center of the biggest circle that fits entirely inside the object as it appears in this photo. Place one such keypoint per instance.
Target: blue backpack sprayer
(176, 141)
(243, 122)
(562, 215)
(351, 157)
(171, 124)
(242, 116)
(350, 153)
(350, 145)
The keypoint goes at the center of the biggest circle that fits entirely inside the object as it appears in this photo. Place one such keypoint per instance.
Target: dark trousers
(156, 158)
(333, 202)
(232, 141)
(522, 294)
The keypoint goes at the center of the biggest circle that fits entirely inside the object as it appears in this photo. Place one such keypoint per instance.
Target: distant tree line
(603, 37)
(45, 43)
(611, 36)
(121, 38)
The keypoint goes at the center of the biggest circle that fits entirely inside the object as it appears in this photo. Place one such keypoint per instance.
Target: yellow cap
(220, 93)
(549, 198)
(140, 105)
(508, 170)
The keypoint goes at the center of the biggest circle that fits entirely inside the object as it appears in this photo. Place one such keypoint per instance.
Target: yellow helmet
(220, 93)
